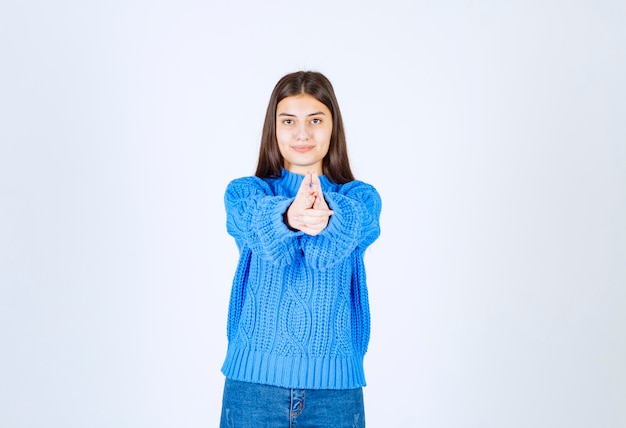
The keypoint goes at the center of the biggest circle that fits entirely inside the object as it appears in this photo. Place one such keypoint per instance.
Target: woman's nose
(303, 133)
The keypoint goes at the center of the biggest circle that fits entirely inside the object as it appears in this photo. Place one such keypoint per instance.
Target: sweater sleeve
(354, 224)
(254, 217)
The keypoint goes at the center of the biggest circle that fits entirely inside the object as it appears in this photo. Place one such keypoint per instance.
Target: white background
(494, 131)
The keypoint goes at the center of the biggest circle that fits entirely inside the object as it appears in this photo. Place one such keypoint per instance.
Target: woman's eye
(316, 121)
(288, 121)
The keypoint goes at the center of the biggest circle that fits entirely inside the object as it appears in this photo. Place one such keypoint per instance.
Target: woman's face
(303, 129)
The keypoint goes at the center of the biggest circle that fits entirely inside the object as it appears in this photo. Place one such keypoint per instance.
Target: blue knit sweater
(298, 314)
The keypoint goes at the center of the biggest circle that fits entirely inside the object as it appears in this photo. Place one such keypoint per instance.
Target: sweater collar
(292, 181)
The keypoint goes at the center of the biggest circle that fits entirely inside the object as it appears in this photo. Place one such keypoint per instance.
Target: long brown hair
(336, 165)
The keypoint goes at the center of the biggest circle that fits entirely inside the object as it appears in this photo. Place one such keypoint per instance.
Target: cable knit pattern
(298, 314)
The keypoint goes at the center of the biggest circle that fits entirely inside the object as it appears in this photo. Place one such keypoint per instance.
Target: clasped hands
(309, 211)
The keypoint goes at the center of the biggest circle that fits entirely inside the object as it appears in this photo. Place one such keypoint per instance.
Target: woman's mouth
(302, 149)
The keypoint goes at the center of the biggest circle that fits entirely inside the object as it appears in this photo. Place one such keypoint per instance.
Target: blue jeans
(252, 405)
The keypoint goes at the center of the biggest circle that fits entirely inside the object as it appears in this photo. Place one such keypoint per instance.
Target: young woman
(298, 320)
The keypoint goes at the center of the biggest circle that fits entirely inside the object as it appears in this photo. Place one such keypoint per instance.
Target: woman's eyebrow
(310, 114)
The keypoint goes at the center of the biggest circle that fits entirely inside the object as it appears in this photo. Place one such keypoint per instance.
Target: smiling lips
(302, 149)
